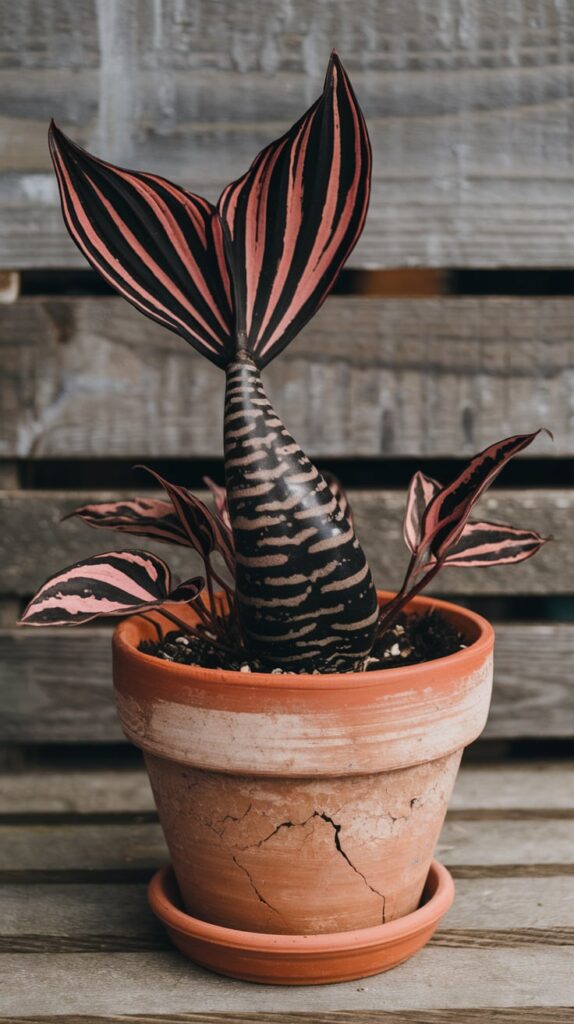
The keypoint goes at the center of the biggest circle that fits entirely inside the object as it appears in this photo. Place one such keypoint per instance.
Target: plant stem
(403, 597)
(155, 625)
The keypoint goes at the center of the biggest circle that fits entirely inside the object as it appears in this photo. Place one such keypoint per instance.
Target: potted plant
(302, 732)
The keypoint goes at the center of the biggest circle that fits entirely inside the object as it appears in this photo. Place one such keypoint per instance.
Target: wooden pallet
(470, 112)
(78, 938)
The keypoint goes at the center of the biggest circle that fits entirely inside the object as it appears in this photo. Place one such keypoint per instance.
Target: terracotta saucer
(301, 959)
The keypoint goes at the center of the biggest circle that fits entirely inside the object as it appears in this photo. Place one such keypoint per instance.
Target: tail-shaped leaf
(291, 221)
(450, 508)
(144, 517)
(205, 533)
(485, 543)
(160, 246)
(114, 583)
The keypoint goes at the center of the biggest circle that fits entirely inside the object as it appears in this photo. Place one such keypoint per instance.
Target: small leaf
(113, 583)
(188, 590)
(219, 495)
(204, 532)
(449, 510)
(144, 517)
(422, 489)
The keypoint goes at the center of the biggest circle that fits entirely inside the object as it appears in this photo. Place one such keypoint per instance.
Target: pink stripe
(293, 202)
(148, 261)
(217, 237)
(255, 227)
(66, 190)
(327, 247)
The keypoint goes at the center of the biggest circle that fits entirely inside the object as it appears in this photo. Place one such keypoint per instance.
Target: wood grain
(57, 684)
(34, 543)
(489, 1015)
(368, 377)
(469, 110)
(164, 983)
(106, 918)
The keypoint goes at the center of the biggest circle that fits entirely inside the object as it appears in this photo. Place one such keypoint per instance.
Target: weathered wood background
(470, 107)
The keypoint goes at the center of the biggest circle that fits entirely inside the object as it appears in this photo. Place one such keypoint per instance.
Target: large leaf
(158, 245)
(144, 517)
(450, 508)
(113, 583)
(291, 221)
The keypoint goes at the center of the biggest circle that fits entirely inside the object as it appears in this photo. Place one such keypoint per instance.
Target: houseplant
(301, 782)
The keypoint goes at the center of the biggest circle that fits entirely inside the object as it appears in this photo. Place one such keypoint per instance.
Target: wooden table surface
(79, 941)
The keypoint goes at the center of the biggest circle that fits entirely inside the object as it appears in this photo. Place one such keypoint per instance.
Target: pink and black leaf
(158, 245)
(483, 543)
(203, 530)
(113, 583)
(449, 509)
(291, 221)
(144, 517)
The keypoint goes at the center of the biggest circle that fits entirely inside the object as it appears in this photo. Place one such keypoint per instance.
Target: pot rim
(131, 631)
(439, 899)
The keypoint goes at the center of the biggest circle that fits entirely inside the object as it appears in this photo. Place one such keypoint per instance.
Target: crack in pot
(323, 816)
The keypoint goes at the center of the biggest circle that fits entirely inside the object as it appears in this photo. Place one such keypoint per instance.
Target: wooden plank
(132, 983)
(74, 918)
(34, 542)
(469, 112)
(488, 1015)
(540, 786)
(368, 377)
(134, 849)
(56, 684)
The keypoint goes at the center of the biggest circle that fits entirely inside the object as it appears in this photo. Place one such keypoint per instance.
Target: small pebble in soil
(412, 640)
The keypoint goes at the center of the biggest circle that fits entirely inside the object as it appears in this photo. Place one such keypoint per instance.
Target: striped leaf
(449, 510)
(484, 543)
(158, 245)
(203, 530)
(113, 583)
(291, 221)
(144, 517)
(422, 489)
(219, 495)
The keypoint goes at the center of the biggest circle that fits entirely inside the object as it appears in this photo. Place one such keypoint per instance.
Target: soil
(411, 640)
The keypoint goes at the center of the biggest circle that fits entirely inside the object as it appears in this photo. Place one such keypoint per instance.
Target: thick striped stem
(305, 596)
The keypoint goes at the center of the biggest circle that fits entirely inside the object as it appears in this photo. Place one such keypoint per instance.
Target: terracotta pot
(303, 804)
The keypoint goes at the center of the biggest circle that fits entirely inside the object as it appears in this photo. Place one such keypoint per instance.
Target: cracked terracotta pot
(303, 804)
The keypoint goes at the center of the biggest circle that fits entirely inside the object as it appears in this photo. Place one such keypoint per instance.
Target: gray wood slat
(72, 918)
(56, 684)
(368, 377)
(164, 983)
(45, 851)
(34, 543)
(540, 786)
(469, 110)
